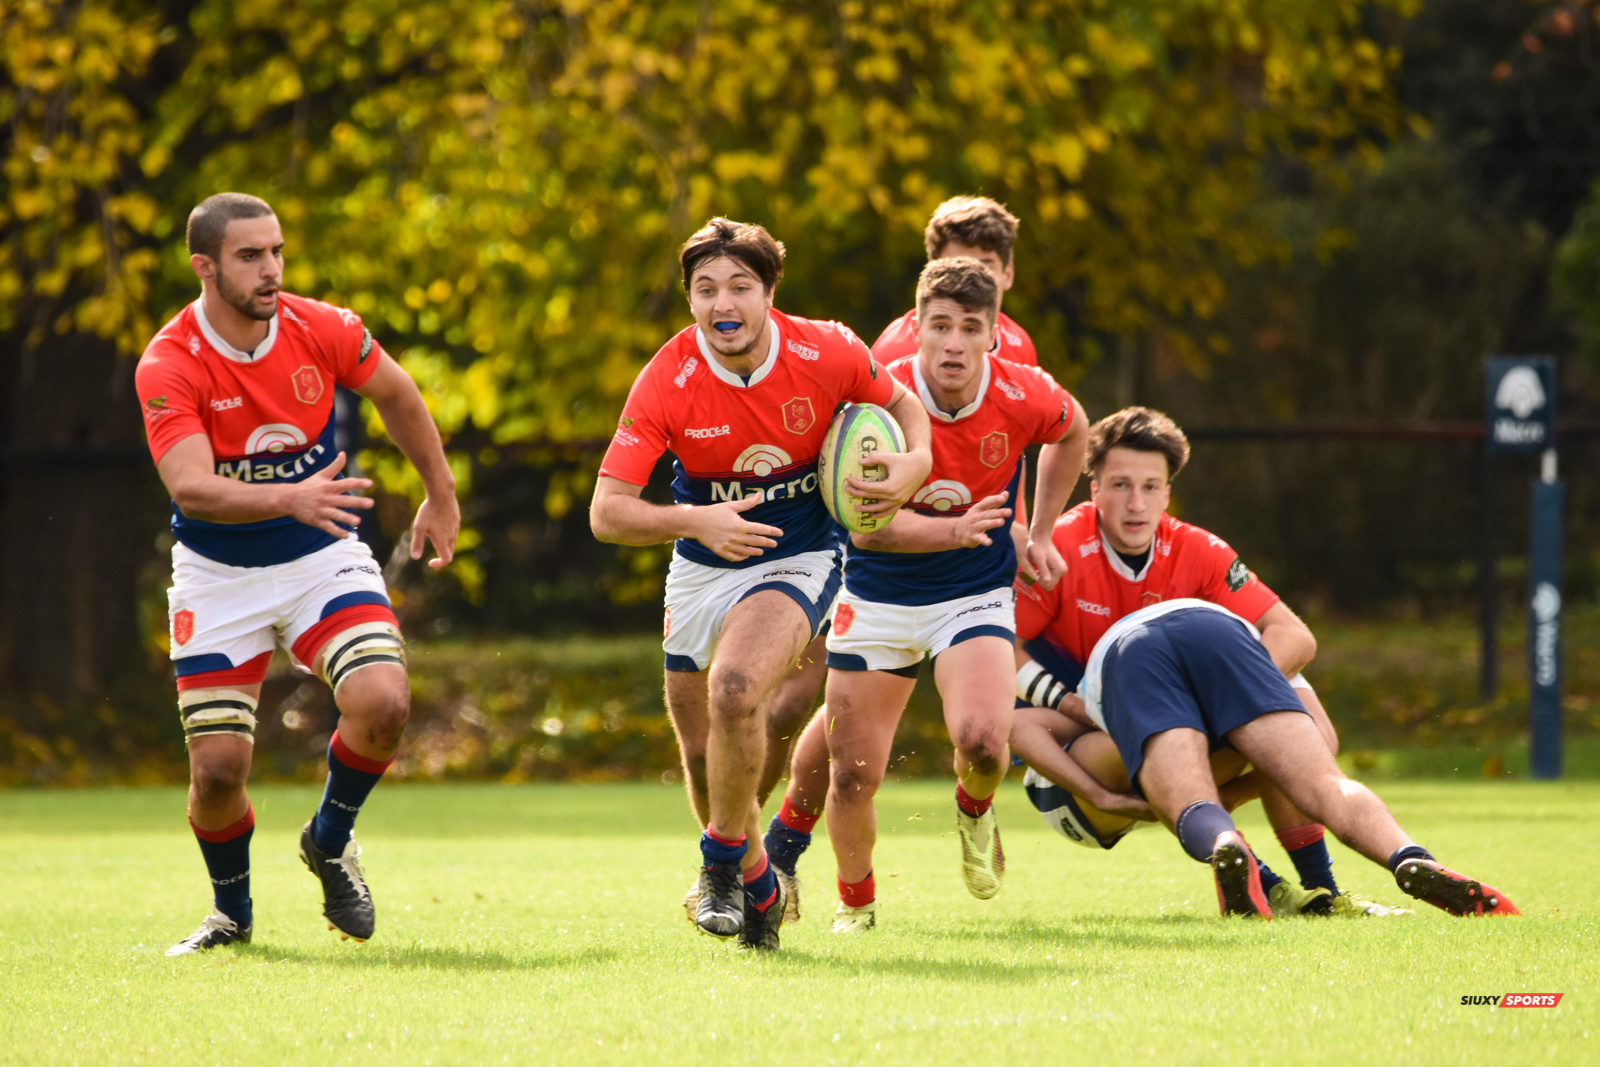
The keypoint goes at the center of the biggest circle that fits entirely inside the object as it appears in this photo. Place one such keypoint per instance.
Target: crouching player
(935, 583)
(1172, 683)
(742, 398)
(237, 397)
(1126, 552)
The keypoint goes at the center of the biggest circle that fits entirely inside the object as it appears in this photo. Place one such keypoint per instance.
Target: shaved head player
(237, 398)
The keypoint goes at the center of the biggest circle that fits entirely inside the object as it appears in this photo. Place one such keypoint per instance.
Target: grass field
(539, 924)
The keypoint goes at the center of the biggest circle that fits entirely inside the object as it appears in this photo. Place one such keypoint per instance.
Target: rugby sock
(715, 848)
(1308, 850)
(761, 885)
(227, 855)
(970, 806)
(858, 894)
(1269, 877)
(785, 842)
(1198, 827)
(1409, 852)
(350, 779)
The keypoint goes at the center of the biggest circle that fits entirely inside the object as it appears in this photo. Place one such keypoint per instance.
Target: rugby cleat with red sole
(1238, 878)
(1436, 884)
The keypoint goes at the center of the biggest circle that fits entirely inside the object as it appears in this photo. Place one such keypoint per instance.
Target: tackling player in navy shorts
(743, 399)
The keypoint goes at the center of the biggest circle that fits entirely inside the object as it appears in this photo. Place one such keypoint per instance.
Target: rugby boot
(1431, 881)
(217, 930)
(1238, 878)
(720, 909)
(791, 894)
(346, 901)
(983, 861)
(760, 931)
(691, 899)
(1287, 898)
(848, 920)
(1355, 906)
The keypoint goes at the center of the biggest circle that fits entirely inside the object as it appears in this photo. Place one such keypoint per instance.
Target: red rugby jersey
(1099, 588)
(268, 414)
(976, 453)
(899, 340)
(732, 437)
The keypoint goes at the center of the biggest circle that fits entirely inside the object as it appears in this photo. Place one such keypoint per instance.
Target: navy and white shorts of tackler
(1195, 668)
(870, 635)
(699, 597)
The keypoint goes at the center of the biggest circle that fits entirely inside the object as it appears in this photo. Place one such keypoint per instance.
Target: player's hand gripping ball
(857, 430)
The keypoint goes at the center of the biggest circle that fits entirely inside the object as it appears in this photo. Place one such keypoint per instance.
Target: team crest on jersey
(943, 495)
(666, 624)
(993, 449)
(307, 384)
(1150, 598)
(843, 619)
(182, 626)
(798, 415)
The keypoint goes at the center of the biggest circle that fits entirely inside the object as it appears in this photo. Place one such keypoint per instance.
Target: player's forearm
(1041, 750)
(1291, 647)
(618, 519)
(910, 531)
(213, 498)
(908, 411)
(1059, 465)
(412, 429)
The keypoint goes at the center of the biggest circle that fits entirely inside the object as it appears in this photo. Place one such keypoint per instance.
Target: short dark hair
(746, 242)
(1142, 430)
(962, 279)
(975, 221)
(208, 223)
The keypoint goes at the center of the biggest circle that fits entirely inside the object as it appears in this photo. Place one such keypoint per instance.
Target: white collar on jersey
(927, 398)
(224, 349)
(1122, 568)
(727, 375)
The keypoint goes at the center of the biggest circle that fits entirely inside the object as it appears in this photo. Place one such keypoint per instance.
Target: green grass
(539, 924)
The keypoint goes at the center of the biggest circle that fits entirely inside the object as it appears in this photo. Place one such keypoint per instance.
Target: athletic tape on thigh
(362, 645)
(217, 711)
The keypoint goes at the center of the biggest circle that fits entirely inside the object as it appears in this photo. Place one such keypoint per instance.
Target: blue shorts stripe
(986, 630)
(681, 664)
(847, 661)
(352, 600)
(202, 664)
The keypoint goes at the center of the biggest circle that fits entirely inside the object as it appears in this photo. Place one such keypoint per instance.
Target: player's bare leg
(688, 704)
(975, 680)
(761, 638)
(863, 709)
(788, 709)
(374, 701)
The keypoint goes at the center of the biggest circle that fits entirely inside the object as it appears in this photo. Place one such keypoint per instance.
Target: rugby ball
(856, 429)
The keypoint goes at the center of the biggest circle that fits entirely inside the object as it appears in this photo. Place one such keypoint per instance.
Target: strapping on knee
(217, 711)
(365, 644)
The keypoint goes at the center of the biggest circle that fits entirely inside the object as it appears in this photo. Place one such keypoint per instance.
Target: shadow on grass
(430, 957)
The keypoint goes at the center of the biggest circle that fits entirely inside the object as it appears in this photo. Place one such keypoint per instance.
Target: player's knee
(787, 713)
(983, 747)
(218, 777)
(852, 782)
(732, 692)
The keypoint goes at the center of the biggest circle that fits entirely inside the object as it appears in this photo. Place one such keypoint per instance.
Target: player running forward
(1172, 683)
(1125, 553)
(237, 395)
(742, 399)
(935, 583)
(978, 228)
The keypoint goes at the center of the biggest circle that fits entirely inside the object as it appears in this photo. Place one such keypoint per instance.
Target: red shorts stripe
(310, 645)
(251, 672)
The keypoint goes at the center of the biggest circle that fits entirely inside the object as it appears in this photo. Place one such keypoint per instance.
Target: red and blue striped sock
(227, 855)
(970, 805)
(1308, 850)
(714, 848)
(858, 894)
(789, 835)
(761, 885)
(350, 780)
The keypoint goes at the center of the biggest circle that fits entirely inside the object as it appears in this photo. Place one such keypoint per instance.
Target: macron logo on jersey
(708, 432)
(273, 437)
(761, 461)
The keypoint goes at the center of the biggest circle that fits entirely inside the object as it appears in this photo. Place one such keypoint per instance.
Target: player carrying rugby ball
(933, 582)
(742, 399)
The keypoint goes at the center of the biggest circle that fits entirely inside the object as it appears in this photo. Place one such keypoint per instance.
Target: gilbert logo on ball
(856, 432)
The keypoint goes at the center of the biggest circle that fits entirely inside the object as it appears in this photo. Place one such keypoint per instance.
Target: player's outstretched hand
(972, 529)
(321, 501)
(438, 521)
(905, 473)
(1049, 566)
(1126, 805)
(724, 530)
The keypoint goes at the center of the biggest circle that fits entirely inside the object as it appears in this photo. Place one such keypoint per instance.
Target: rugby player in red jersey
(978, 228)
(934, 583)
(1125, 553)
(743, 399)
(237, 396)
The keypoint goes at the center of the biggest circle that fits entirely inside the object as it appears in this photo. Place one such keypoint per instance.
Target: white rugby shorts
(699, 597)
(229, 619)
(870, 635)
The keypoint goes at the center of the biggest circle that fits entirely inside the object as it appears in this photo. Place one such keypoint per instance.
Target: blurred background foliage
(1248, 212)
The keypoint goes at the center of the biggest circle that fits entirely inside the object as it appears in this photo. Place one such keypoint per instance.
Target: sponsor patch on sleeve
(1238, 575)
(366, 345)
